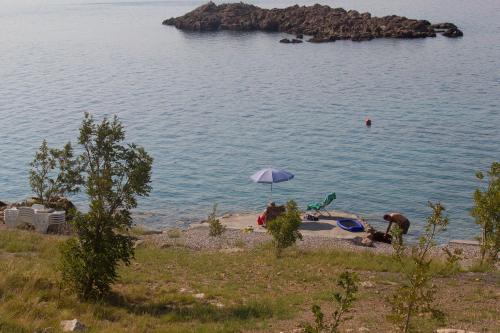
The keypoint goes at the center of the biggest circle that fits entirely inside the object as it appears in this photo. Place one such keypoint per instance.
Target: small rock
(453, 33)
(363, 329)
(452, 330)
(138, 242)
(443, 26)
(363, 241)
(231, 250)
(199, 296)
(296, 41)
(218, 305)
(300, 36)
(317, 39)
(367, 242)
(72, 325)
(367, 284)
(285, 41)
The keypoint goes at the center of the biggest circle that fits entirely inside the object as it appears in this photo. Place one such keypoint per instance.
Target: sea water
(213, 108)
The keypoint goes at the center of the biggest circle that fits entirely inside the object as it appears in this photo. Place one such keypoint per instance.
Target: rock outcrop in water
(324, 23)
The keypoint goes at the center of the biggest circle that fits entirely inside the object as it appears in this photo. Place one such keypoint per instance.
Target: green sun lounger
(318, 207)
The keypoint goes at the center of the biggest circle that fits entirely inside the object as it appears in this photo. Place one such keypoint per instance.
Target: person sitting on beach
(270, 213)
(261, 220)
(400, 220)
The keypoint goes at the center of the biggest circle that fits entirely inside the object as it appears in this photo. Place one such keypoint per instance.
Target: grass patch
(174, 233)
(482, 267)
(248, 290)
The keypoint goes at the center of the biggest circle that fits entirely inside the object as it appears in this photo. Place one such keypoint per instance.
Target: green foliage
(452, 260)
(285, 228)
(348, 282)
(319, 321)
(257, 290)
(486, 212)
(114, 175)
(174, 233)
(215, 227)
(417, 293)
(54, 172)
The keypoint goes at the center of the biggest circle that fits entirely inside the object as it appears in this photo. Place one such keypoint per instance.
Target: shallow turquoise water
(213, 108)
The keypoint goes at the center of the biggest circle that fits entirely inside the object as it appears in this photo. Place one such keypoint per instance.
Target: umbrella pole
(271, 193)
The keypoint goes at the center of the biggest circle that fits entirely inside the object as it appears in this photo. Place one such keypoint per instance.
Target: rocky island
(323, 23)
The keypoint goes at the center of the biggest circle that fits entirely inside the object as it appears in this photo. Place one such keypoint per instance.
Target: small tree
(486, 212)
(115, 175)
(417, 293)
(285, 228)
(215, 227)
(349, 283)
(54, 172)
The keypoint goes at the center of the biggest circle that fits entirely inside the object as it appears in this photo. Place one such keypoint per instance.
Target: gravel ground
(197, 238)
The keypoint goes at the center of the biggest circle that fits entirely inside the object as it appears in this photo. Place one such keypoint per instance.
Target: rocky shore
(323, 23)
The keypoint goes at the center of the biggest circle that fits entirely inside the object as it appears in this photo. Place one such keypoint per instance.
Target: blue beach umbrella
(270, 176)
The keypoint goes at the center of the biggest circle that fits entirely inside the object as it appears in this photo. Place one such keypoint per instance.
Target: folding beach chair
(318, 207)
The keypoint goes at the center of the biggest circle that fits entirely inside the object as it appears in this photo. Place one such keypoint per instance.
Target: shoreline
(325, 228)
(243, 233)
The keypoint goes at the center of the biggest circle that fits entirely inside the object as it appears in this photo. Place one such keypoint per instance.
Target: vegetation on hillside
(348, 282)
(114, 174)
(216, 228)
(243, 291)
(416, 294)
(486, 212)
(285, 228)
(54, 172)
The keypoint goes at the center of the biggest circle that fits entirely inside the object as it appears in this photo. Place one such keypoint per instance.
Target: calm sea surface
(213, 108)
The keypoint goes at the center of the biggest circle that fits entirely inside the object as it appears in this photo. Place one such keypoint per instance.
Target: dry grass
(247, 290)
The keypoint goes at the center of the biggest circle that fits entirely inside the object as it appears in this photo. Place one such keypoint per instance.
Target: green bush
(486, 212)
(285, 228)
(417, 292)
(349, 283)
(54, 172)
(215, 227)
(114, 174)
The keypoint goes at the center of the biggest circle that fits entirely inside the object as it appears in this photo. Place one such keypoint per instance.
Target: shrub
(114, 174)
(215, 227)
(486, 212)
(349, 283)
(174, 233)
(285, 228)
(416, 294)
(54, 172)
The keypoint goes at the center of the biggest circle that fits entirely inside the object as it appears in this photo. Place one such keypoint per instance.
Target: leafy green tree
(54, 172)
(417, 293)
(349, 283)
(215, 227)
(114, 174)
(285, 228)
(486, 212)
